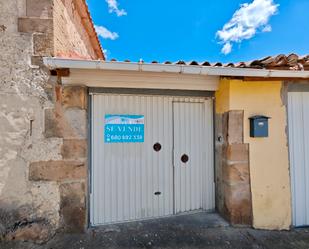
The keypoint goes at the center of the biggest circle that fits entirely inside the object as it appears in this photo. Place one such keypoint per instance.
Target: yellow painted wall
(223, 96)
(269, 162)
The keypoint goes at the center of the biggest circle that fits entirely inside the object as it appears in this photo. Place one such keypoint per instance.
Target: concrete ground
(199, 230)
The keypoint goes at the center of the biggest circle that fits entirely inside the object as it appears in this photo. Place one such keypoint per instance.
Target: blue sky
(186, 29)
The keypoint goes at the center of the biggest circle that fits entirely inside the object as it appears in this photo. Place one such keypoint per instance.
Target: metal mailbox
(259, 126)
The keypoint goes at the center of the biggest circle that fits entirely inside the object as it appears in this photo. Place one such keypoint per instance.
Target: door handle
(184, 158)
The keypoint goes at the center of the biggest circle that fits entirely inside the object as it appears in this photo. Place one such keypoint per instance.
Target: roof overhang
(54, 63)
(125, 74)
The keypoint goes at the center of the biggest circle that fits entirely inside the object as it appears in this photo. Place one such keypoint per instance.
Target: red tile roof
(278, 62)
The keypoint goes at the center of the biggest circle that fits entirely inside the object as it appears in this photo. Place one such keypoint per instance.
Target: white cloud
(105, 33)
(113, 7)
(246, 22)
(227, 48)
(106, 53)
(267, 29)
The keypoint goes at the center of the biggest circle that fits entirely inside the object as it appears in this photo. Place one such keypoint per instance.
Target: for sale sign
(124, 128)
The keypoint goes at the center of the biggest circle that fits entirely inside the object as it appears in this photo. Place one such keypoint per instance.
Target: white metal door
(193, 157)
(298, 115)
(127, 177)
(132, 181)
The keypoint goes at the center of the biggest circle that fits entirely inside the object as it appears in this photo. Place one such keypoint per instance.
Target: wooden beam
(63, 72)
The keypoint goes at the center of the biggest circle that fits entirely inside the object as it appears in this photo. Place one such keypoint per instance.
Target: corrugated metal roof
(278, 62)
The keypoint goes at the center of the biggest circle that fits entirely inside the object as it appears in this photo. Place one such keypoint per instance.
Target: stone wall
(71, 38)
(43, 130)
(25, 207)
(233, 191)
(67, 121)
(269, 159)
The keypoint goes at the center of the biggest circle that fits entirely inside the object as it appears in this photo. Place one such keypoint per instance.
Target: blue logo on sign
(124, 128)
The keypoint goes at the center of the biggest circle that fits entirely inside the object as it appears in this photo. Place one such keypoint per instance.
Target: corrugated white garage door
(138, 144)
(194, 177)
(298, 113)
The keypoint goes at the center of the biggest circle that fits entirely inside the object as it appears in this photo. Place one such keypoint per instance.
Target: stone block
(75, 123)
(74, 148)
(39, 8)
(74, 96)
(236, 190)
(237, 153)
(43, 45)
(57, 170)
(73, 206)
(236, 173)
(35, 24)
(53, 123)
(37, 61)
(235, 127)
(238, 204)
(69, 123)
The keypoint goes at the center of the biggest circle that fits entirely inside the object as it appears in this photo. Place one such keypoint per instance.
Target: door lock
(157, 147)
(184, 158)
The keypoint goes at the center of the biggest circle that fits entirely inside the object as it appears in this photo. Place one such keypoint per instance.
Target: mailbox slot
(259, 126)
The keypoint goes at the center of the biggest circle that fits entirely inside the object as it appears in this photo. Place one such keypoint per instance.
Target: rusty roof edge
(54, 63)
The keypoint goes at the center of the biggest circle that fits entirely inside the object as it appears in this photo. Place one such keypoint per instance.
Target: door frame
(293, 88)
(173, 153)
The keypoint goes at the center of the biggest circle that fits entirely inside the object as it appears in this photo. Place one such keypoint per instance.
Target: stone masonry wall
(233, 190)
(27, 209)
(71, 38)
(67, 121)
(43, 130)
